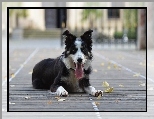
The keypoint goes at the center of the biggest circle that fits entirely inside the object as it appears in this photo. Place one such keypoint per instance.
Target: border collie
(70, 71)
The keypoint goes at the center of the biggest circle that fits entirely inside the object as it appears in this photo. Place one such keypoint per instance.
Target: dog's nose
(79, 60)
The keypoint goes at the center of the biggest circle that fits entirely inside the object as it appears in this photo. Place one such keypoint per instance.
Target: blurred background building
(118, 26)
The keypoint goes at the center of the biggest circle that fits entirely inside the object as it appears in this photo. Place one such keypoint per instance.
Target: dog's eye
(83, 50)
(73, 50)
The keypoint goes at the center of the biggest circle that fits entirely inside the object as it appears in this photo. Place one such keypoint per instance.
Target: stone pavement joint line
(30, 56)
(103, 57)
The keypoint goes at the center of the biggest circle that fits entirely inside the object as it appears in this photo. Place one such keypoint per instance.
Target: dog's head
(78, 49)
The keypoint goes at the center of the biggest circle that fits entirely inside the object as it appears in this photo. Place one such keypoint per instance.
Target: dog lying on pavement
(70, 71)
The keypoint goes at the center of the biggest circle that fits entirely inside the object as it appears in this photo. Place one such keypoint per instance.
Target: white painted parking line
(95, 108)
(30, 56)
(104, 58)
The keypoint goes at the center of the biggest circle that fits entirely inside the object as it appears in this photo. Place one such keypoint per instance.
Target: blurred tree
(130, 21)
(91, 15)
(18, 14)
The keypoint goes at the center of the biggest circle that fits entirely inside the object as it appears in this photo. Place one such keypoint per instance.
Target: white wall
(36, 16)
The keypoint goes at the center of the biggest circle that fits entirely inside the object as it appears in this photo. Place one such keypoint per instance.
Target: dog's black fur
(48, 73)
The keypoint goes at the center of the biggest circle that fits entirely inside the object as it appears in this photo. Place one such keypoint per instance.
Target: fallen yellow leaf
(57, 98)
(102, 64)
(136, 75)
(50, 102)
(143, 84)
(109, 90)
(115, 66)
(105, 84)
(12, 75)
(97, 103)
(61, 99)
(142, 63)
(109, 63)
(109, 67)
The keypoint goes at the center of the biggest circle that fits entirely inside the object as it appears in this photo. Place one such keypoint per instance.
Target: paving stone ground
(124, 70)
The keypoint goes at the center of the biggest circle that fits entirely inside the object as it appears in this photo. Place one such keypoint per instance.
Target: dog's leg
(85, 85)
(91, 90)
(56, 86)
(59, 90)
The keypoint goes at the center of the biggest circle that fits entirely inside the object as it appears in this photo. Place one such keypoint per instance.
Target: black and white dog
(69, 72)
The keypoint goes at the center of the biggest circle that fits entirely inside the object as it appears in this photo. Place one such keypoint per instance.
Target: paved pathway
(124, 70)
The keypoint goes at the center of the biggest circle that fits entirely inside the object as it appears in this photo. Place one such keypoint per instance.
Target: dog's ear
(87, 38)
(70, 38)
(66, 33)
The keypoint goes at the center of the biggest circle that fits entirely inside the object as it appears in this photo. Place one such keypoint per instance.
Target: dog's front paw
(91, 90)
(61, 91)
(98, 93)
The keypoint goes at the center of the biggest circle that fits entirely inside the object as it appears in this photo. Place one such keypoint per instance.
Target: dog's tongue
(79, 71)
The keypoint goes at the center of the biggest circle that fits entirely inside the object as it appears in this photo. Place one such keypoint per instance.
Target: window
(113, 13)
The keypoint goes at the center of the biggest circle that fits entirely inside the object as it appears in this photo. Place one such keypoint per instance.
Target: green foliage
(130, 22)
(130, 35)
(118, 35)
(91, 15)
(19, 12)
(101, 37)
(130, 19)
